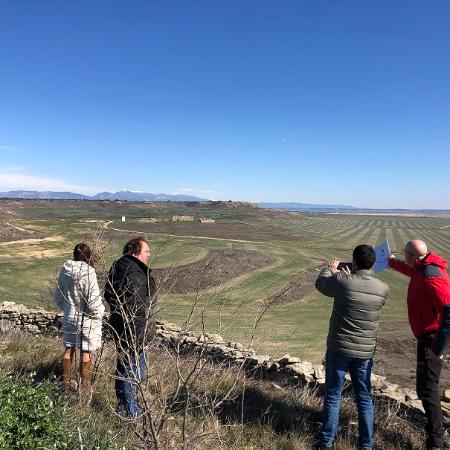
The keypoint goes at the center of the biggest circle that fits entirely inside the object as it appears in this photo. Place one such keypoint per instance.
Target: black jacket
(131, 294)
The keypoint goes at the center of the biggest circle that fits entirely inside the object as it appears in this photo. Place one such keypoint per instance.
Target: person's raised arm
(327, 283)
(399, 266)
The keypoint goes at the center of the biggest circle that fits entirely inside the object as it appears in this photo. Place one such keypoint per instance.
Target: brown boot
(67, 368)
(86, 373)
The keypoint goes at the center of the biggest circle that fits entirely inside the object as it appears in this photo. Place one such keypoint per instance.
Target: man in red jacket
(429, 317)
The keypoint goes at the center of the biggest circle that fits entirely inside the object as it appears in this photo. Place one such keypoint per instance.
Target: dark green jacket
(358, 299)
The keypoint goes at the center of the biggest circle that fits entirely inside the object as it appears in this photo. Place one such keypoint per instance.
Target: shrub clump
(31, 416)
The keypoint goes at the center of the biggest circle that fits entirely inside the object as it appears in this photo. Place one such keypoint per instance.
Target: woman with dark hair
(78, 296)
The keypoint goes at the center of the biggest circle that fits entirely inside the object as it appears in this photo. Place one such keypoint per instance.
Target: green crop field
(297, 243)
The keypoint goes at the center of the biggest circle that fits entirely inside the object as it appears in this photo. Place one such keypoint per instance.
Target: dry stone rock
(257, 360)
(417, 405)
(32, 329)
(319, 373)
(11, 306)
(171, 327)
(284, 360)
(295, 369)
(397, 396)
(445, 409)
(190, 340)
(446, 395)
(306, 366)
(410, 394)
(293, 360)
(216, 338)
(275, 367)
(389, 387)
(377, 381)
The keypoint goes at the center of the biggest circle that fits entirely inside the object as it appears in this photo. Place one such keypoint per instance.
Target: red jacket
(428, 292)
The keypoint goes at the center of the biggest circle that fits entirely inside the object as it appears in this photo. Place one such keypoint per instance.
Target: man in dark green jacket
(358, 299)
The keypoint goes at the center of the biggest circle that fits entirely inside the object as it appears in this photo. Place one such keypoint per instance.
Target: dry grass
(257, 415)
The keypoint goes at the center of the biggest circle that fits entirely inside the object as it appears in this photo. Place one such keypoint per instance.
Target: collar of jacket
(418, 265)
(364, 272)
(431, 258)
(139, 263)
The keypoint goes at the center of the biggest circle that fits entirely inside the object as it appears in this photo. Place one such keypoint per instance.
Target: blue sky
(311, 101)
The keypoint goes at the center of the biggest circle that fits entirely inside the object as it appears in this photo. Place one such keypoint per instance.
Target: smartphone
(341, 265)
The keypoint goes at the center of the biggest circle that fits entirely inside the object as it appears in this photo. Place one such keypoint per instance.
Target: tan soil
(32, 241)
(395, 356)
(35, 253)
(224, 230)
(218, 267)
(13, 233)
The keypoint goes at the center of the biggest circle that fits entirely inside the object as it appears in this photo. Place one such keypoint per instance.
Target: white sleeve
(59, 296)
(95, 301)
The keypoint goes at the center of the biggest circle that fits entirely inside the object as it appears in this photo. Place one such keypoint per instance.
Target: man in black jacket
(131, 294)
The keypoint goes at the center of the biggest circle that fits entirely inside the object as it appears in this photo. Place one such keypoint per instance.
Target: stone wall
(288, 369)
(34, 321)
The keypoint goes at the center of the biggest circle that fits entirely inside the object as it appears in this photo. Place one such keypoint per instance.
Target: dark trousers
(427, 386)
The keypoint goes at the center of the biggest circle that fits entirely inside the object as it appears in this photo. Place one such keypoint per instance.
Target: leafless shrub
(256, 416)
(176, 410)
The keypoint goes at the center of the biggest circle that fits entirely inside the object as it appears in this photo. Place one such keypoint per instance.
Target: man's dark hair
(364, 256)
(134, 246)
(82, 252)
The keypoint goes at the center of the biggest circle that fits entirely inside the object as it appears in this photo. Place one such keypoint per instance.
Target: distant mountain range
(311, 207)
(121, 195)
(148, 197)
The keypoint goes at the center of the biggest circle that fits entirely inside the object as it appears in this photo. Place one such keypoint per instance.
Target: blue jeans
(360, 369)
(128, 375)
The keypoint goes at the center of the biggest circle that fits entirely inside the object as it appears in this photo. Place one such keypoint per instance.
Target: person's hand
(332, 265)
(432, 356)
(346, 270)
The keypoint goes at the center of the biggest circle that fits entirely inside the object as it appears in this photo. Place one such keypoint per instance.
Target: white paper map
(382, 253)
